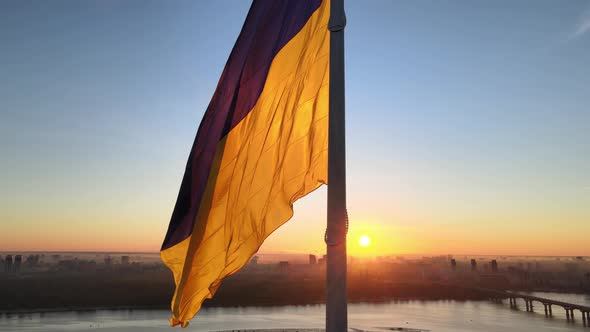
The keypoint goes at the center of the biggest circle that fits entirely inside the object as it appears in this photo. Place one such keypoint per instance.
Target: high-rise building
(32, 260)
(254, 260)
(473, 265)
(283, 266)
(8, 264)
(494, 265)
(312, 259)
(18, 260)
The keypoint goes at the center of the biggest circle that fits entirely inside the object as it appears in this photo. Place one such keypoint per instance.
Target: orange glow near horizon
(393, 230)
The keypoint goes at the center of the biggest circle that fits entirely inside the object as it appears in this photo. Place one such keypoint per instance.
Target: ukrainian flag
(262, 144)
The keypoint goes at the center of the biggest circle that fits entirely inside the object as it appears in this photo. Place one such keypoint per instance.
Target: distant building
(66, 265)
(18, 260)
(8, 264)
(32, 260)
(312, 259)
(283, 266)
(473, 265)
(494, 265)
(108, 261)
(453, 264)
(496, 281)
(571, 267)
(125, 260)
(86, 265)
(254, 260)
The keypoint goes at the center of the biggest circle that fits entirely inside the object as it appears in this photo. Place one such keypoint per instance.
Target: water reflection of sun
(365, 241)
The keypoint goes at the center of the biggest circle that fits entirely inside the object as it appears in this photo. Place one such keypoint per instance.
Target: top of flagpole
(337, 16)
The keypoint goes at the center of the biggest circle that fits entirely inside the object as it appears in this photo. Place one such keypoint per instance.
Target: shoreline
(211, 306)
(155, 308)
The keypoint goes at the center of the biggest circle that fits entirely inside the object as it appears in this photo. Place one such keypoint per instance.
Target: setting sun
(364, 241)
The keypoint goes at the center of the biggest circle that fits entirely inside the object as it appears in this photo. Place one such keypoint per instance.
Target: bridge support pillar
(531, 306)
(550, 311)
(584, 318)
(567, 313)
(546, 311)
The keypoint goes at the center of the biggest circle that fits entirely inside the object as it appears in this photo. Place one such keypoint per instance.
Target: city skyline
(465, 137)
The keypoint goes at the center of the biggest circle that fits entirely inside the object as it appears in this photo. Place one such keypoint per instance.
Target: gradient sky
(468, 124)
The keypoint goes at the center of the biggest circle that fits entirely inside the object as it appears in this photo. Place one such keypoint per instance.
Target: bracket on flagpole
(335, 242)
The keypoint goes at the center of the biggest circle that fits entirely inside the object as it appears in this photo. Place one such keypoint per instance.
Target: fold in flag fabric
(262, 144)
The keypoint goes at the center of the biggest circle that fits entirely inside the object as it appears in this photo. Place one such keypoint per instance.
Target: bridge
(569, 308)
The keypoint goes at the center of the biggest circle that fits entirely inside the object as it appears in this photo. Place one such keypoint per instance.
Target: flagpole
(336, 304)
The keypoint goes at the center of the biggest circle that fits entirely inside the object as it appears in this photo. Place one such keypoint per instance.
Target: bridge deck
(536, 298)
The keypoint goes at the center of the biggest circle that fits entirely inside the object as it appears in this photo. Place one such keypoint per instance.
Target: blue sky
(467, 122)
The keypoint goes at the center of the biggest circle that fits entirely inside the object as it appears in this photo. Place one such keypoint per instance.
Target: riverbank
(49, 293)
(136, 286)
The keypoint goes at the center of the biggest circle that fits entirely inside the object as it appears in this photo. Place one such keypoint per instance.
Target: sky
(467, 124)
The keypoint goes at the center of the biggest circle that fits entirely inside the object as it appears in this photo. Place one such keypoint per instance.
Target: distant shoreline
(2, 252)
(286, 254)
(210, 306)
(78, 309)
(205, 306)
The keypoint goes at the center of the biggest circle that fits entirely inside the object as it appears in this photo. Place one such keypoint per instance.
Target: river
(439, 316)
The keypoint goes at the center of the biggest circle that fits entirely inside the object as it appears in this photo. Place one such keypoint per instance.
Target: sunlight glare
(364, 241)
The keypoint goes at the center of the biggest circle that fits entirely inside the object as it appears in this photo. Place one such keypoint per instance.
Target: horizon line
(283, 253)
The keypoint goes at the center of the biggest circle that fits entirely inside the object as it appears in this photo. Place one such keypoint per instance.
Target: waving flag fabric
(262, 144)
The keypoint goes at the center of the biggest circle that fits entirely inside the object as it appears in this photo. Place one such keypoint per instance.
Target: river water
(428, 315)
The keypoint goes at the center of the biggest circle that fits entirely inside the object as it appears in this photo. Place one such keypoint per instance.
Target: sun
(364, 241)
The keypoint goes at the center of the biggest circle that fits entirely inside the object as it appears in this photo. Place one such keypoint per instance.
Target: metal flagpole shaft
(336, 304)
